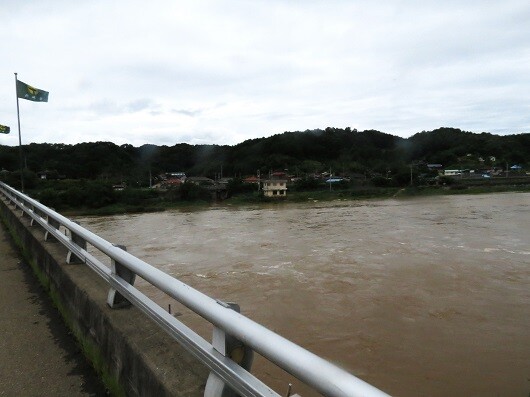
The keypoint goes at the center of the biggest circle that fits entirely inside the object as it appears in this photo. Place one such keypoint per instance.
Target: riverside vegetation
(375, 164)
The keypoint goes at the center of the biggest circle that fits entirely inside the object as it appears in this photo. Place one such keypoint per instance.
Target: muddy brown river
(419, 297)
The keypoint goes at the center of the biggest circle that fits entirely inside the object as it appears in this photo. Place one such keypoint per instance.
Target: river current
(419, 297)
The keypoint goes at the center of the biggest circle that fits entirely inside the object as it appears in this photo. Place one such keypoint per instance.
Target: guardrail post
(114, 299)
(14, 203)
(21, 207)
(36, 212)
(56, 225)
(79, 241)
(230, 347)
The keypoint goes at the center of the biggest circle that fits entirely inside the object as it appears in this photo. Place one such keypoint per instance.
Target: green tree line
(345, 151)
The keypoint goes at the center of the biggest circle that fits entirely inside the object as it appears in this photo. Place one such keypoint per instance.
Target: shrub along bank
(100, 198)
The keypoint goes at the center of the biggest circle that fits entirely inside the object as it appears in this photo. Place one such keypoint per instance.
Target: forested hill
(343, 150)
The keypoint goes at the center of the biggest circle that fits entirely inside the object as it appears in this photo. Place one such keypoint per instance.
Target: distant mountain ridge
(343, 150)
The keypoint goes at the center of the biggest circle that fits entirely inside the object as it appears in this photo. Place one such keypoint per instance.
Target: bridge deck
(37, 355)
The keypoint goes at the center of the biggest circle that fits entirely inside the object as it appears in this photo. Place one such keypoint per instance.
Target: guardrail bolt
(288, 394)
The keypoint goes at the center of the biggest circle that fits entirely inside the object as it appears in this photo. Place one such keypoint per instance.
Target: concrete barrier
(132, 354)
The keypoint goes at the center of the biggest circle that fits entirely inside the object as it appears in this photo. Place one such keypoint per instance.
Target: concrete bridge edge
(130, 353)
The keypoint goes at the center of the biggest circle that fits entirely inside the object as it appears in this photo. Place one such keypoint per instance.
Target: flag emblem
(30, 93)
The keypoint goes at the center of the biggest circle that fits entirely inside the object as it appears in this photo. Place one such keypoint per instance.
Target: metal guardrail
(316, 372)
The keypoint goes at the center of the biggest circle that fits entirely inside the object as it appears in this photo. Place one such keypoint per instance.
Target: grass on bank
(93, 199)
(302, 197)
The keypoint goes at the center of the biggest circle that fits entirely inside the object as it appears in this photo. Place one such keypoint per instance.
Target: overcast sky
(221, 72)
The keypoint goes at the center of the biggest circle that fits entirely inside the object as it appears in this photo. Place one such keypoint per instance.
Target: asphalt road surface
(38, 356)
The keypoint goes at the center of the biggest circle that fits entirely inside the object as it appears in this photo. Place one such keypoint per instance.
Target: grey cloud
(185, 112)
(105, 107)
(247, 69)
(109, 107)
(139, 105)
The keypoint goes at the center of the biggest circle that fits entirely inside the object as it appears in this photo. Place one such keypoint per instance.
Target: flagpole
(19, 140)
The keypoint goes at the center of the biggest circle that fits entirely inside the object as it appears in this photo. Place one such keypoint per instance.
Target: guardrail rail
(229, 355)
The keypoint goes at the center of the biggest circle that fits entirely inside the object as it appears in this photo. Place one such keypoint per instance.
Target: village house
(452, 172)
(201, 180)
(171, 183)
(251, 179)
(176, 175)
(49, 174)
(437, 167)
(275, 187)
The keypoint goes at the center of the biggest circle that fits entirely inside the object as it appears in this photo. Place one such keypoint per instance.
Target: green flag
(4, 129)
(30, 93)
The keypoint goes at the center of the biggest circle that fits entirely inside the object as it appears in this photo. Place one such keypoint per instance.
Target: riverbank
(298, 197)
